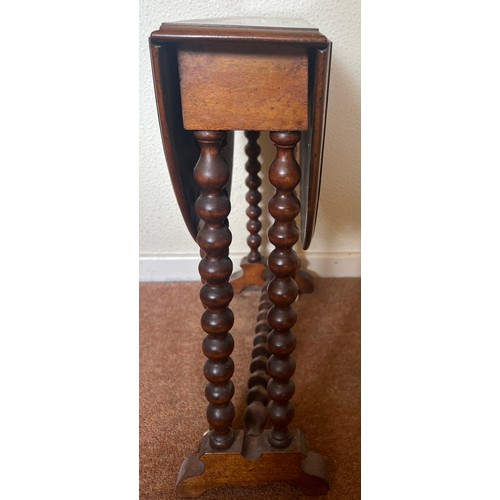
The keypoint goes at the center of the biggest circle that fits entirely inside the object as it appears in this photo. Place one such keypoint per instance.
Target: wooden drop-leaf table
(211, 78)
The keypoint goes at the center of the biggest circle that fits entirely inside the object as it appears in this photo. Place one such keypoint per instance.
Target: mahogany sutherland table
(213, 77)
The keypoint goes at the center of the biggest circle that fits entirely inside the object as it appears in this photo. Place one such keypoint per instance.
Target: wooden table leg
(284, 206)
(253, 266)
(255, 456)
(211, 174)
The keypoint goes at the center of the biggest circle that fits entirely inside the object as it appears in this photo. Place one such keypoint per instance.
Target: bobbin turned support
(213, 206)
(253, 266)
(284, 206)
(255, 456)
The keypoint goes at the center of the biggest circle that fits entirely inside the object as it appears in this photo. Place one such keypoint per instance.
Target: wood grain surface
(175, 32)
(243, 88)
(295, 465)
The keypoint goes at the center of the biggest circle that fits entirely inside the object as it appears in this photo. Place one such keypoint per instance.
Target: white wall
(167, 251)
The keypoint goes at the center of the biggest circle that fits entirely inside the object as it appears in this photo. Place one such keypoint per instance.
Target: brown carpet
(172, 404)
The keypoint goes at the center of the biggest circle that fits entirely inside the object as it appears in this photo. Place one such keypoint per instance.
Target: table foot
(293, 465)
(251, 274)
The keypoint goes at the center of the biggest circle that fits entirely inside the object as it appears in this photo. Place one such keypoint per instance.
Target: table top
(242, 29)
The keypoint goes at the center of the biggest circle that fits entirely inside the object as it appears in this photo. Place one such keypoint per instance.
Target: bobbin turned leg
(284, 206)
(253, 196)
(253, 266)
(257, 398)
(211, 174)
(257, 456)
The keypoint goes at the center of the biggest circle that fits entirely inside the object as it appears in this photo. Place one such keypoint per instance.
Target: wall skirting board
(182, 267)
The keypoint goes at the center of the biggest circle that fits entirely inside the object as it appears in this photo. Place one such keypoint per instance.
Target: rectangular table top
(244, 29)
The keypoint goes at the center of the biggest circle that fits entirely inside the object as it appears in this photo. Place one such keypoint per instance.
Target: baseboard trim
(176, 267)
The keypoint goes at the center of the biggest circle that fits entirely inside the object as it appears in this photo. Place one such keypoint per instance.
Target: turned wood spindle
(257, 398)
(284, 206)
(211, 174)
(253, 196)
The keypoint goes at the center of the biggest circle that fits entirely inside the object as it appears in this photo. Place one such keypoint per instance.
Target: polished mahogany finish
(253, 265)
(179, 145)
(255, 31)
(257, 397)
(312, 142)
(213, 77)
(266, 39)
(213, 207)
(253, 196)
(284, 206)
